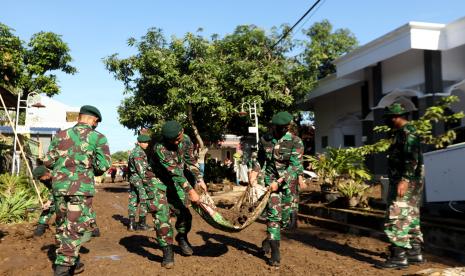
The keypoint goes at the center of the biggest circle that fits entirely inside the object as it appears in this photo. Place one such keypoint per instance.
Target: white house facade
(45, 121)
(415, 65)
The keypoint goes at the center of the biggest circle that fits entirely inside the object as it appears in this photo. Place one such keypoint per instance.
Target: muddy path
(308, 251)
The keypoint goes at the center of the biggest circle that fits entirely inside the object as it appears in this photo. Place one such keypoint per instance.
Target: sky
(96, 29)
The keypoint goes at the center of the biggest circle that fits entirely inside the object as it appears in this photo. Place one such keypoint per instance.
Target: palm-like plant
(16, 197)
(339, 164)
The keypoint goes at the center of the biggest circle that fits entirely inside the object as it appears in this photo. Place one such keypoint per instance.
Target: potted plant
(352, 190)
(338, 165)
(324, 167)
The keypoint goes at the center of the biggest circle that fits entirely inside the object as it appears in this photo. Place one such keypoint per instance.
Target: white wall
(453, 64)
(53, 115)
(404, 70)
(334, 117)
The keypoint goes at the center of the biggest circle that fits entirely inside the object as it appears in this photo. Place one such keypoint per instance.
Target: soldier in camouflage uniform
(75, 156)
(138, 168)
(174, 156)
(280, 156)
(405, 162)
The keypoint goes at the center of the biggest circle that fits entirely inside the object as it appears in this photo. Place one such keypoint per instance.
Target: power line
(310, 17)
(297, 23)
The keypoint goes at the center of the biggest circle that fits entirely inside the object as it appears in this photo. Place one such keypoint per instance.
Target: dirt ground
(308, 251)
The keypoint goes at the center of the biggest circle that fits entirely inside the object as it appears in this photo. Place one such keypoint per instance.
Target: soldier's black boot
(183, 243)
(292, 225)
(414, 255)
(61, 270)
(142, 224)
(397, 259)
(275, 259)
(96, 232)
(168, 257)
(77, 268)
(132, 224)
(40, 230)
(266, 247)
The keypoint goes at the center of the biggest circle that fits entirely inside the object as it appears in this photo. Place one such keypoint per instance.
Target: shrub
(17, 196)
(351, 188)
(340, 164)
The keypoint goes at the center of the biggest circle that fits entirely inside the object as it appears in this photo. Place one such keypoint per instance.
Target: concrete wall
(337, 115)
(403, 71)
(453, 64)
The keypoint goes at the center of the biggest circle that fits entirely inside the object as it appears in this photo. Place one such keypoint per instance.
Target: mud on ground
(308, 251)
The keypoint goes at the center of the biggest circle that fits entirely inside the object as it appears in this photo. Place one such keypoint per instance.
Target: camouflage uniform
(159, 208)
(138, 167)
(171, 165)
(75, 156)
(48, 213)
(405, 163)
(280, 159)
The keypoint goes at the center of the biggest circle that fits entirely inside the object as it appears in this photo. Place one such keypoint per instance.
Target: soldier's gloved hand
(202, 185)
(194, 196)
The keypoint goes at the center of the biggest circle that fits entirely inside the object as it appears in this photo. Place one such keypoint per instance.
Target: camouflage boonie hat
(395, 109)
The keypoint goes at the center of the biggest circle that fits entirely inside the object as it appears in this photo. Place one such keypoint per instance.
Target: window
(324, 142)
(349, 140)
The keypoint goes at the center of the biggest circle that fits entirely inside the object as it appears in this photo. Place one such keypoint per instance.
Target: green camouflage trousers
(137, 196)
(278, 212)
(293, 198)
(158, 206)
(75, 218)
(402, 225)
(178, 207)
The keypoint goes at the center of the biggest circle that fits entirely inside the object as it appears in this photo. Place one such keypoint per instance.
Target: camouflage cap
(281, 118)
(143, 138)
(171, 129)
(395, 109)
(39, 171)
(91, 110)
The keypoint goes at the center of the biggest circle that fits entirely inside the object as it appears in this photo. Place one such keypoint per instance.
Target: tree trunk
(202, 149)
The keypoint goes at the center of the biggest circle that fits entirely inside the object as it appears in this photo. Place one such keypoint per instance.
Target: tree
(202, 82)
(324, 46)
(253, 71)
(28, 67)
(173, 79)
(119, 155)
(199, 81)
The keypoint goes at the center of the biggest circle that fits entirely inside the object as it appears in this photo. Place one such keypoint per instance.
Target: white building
(45, 121)
(415, 65)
